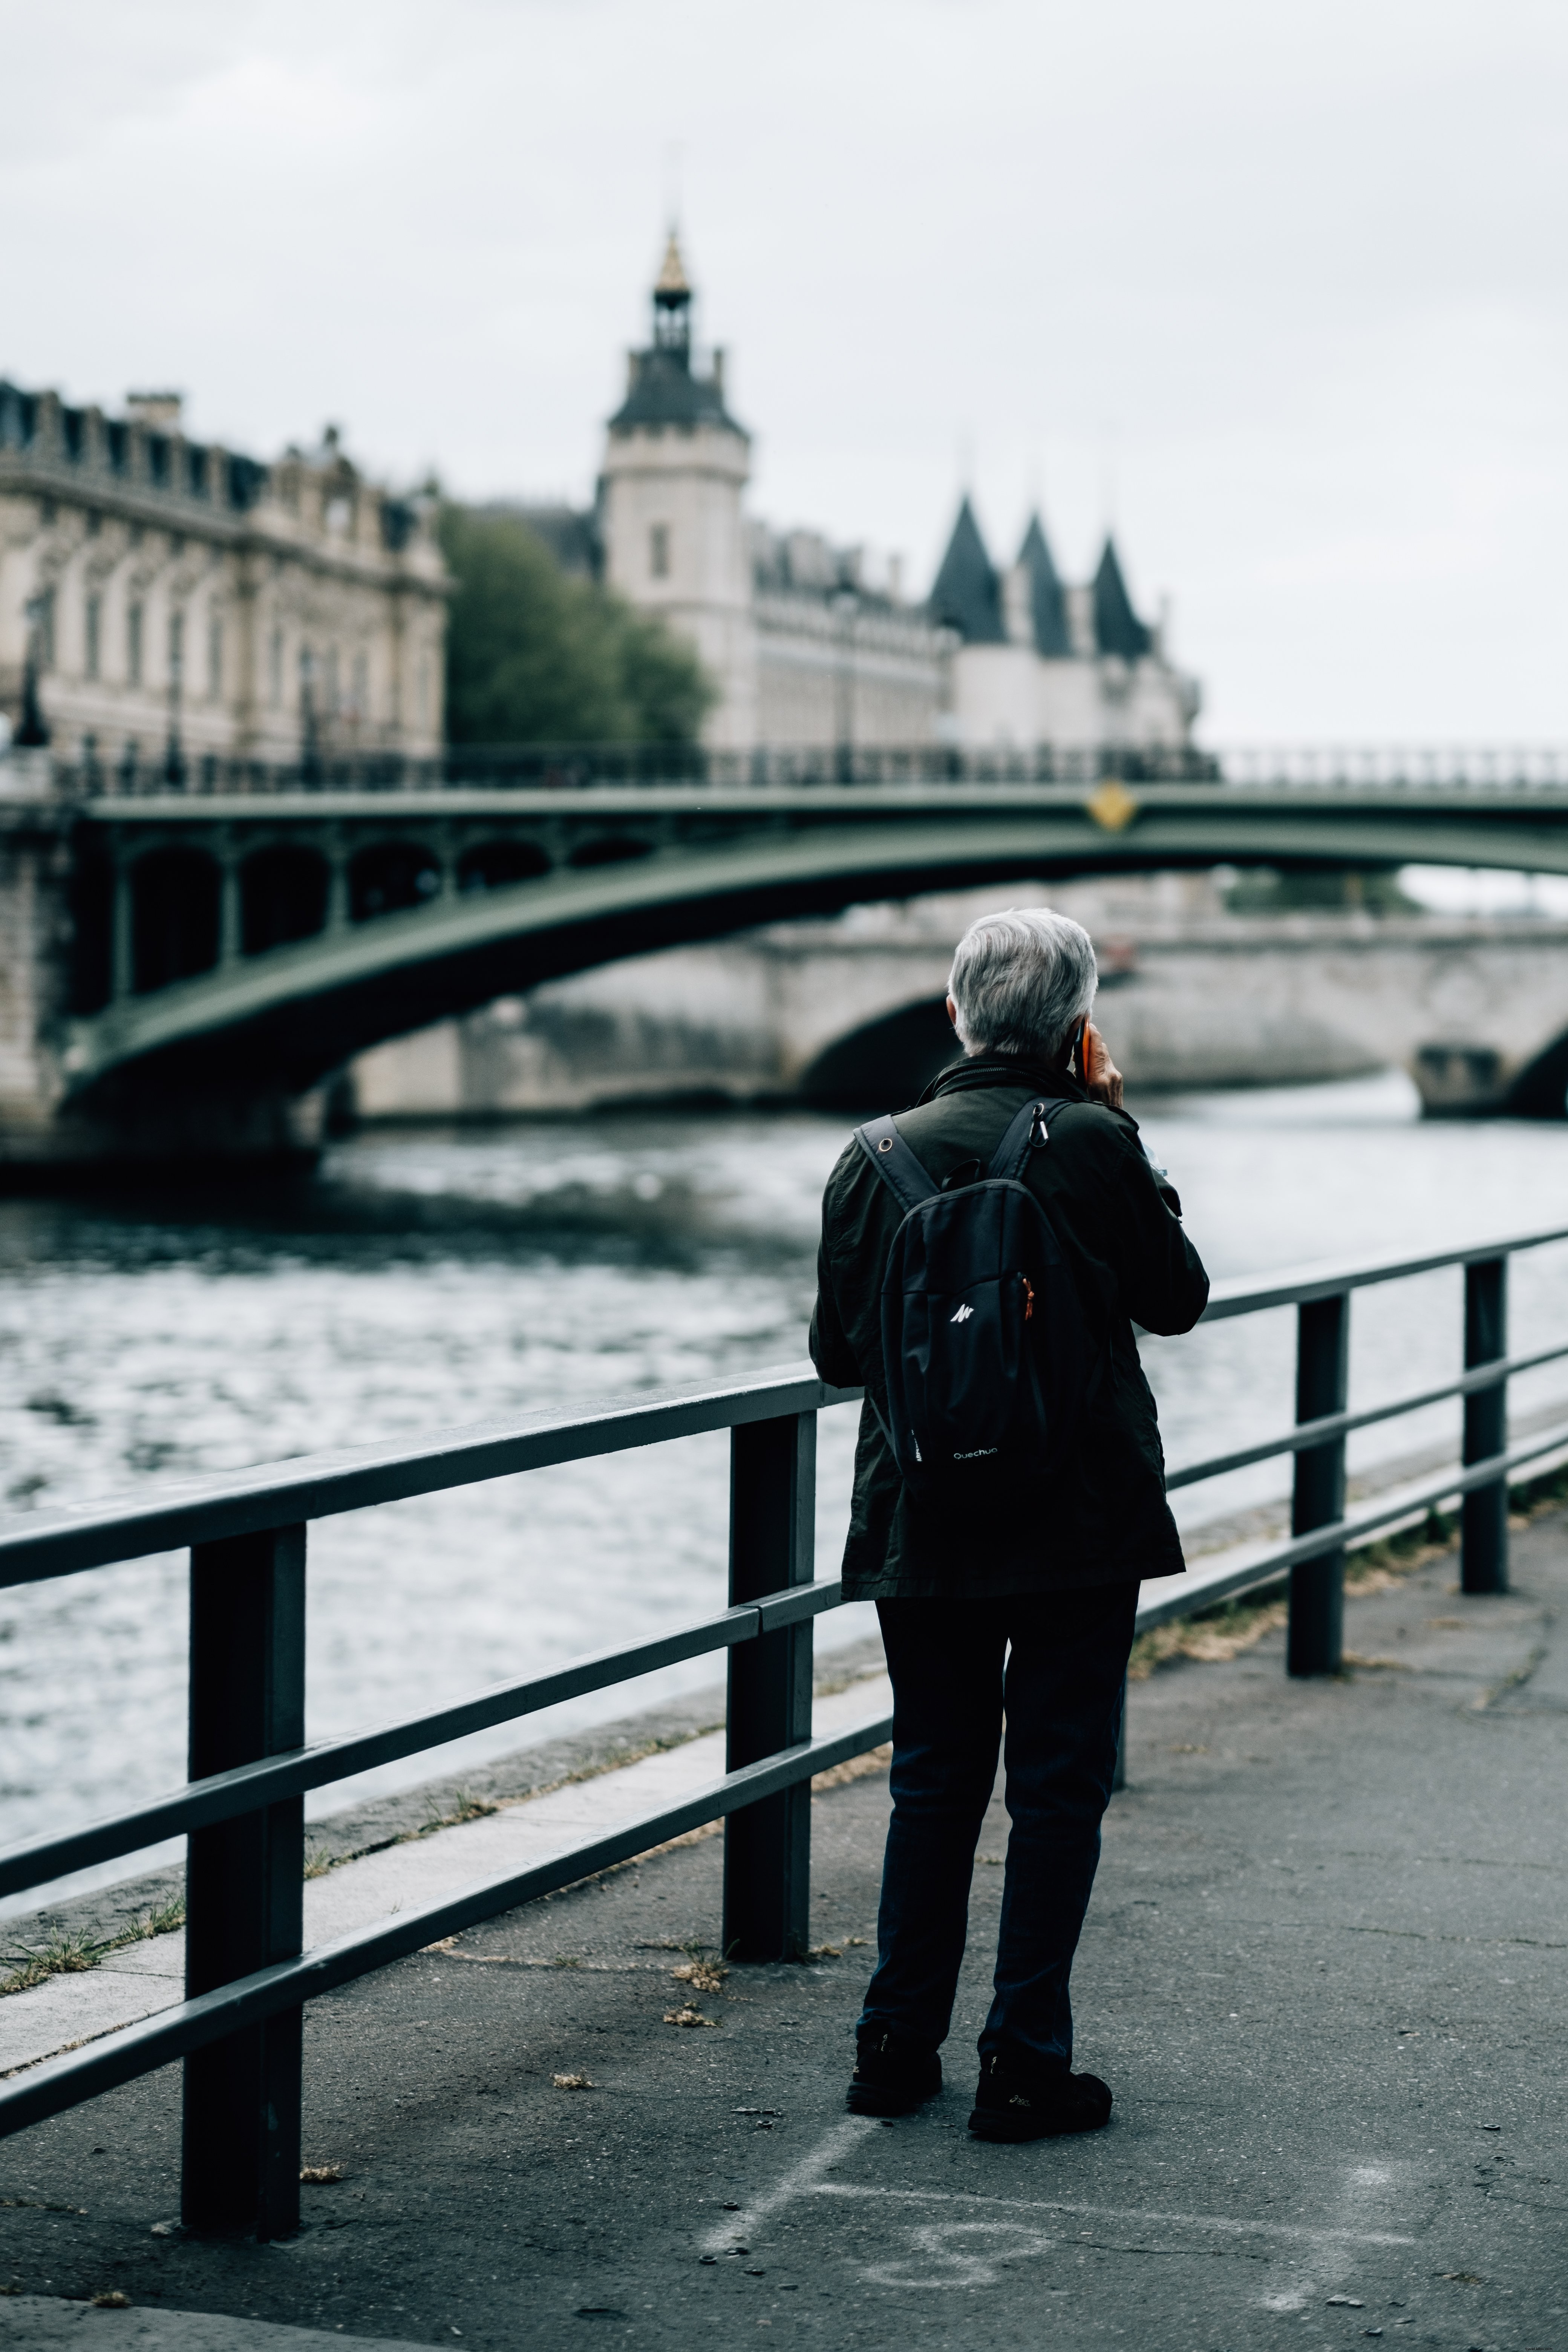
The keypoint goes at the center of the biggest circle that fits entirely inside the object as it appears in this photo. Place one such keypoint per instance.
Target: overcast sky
(1279, 289)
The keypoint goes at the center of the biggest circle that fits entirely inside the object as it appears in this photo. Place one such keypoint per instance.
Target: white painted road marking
(800, 2180)
(1222, 2222)
(957, 2252)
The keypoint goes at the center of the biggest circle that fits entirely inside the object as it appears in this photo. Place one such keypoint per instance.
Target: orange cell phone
(1083, 1050)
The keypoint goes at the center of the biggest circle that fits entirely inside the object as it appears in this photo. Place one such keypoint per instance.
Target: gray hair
(1022, 980)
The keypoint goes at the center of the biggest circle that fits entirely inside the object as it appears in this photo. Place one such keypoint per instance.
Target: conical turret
(1117, 628)
(966, 596)
(1048, 603)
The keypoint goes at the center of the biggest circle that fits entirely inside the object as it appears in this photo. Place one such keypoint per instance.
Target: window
(134, 643)
(92, 637)
(215, 657)
(659, 551)
(334, 697)
(44, 622)
(275, 670)
(176, 648)
(359, 707)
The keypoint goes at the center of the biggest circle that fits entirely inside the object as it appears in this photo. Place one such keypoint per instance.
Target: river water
(427, 1278)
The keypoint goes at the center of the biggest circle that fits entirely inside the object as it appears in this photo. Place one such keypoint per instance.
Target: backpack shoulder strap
(895, 1164)
(1027, 1132)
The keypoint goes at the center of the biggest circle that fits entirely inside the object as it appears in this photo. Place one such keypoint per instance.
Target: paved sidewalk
(1323, 1971)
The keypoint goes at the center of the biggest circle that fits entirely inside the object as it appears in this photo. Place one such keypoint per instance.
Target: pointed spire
(671, 285)
(1117, 628)
(966, 596)
(1047, 605)
(673, 304)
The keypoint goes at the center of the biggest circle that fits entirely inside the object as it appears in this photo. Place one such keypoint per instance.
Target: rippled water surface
(428, 1279)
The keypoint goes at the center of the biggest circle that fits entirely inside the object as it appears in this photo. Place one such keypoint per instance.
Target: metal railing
(585, 767)
(246, 1972)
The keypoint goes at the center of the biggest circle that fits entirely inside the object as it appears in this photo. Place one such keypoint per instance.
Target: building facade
(165, 602)
(804, 650)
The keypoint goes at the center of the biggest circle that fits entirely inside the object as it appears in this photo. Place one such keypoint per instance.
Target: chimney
(161, 411)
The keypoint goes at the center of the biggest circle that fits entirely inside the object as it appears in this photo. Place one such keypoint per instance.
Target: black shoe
(1008, 2106)
(891, 2077)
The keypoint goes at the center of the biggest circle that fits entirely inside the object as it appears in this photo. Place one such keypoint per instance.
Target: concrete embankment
(1324, 1972)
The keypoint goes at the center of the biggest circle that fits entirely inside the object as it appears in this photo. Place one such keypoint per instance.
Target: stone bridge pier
(53, 935)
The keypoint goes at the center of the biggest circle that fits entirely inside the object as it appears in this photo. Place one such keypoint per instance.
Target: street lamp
(174, 758)
(845, 605)
(34, 731)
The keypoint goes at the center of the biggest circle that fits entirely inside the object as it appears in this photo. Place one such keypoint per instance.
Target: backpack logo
(963, 1315)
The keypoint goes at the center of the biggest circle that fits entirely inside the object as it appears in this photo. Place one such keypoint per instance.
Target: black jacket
(1106, 1520)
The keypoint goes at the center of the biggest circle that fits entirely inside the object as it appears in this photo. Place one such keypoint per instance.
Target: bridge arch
(283, 893)
(608, 849)
(389, 878)
(892, 1058)
(92, 929)
(176, 894)
(494, 865)
(1541, 1089)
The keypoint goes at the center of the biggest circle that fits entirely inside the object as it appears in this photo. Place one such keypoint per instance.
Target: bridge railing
(586, 767)
(242, 1810)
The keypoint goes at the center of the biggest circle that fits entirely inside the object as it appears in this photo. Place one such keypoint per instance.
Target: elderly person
(1022, 1613)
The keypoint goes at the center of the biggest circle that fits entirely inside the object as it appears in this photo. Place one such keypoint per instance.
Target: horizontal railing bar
(225, 1795)
(319, 1486)
(1349, 1531)
(63, 2081)
(1305, 1434)
(1244, 1295)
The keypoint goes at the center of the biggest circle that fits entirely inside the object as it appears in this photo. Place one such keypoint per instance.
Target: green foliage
(1371, 891)
(534, 657)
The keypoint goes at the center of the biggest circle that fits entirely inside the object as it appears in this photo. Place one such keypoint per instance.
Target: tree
(534, 657)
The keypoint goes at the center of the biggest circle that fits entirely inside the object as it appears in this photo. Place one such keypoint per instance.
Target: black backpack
(984, 1346)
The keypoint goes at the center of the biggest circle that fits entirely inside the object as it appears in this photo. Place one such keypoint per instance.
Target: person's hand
(1100, 1075)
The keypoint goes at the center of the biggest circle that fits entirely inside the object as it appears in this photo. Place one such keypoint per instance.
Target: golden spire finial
(671, 281)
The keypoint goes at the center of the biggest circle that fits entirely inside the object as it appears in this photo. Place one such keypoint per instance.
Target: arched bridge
(257, 939)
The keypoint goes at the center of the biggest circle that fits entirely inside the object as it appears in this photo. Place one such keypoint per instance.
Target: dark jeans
(1061, 1688)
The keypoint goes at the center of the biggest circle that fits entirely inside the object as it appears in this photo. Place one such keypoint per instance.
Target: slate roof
(1117, 628)
(570, 533)
(966, 595)
(665, 391)
(1048, 604)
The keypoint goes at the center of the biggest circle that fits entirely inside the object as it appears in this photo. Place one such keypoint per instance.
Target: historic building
(1038, 662)
(164, 601)
(804, 648)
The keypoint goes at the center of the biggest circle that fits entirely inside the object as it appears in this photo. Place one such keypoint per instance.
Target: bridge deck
(1322, 1970)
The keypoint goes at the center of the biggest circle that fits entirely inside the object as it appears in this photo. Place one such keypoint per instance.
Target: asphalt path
(1323, 1973)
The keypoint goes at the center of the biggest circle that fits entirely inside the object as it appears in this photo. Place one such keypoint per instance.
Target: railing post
(244, 1881)
(768, 1846)
(1315, 1638)
(1484, 1518)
